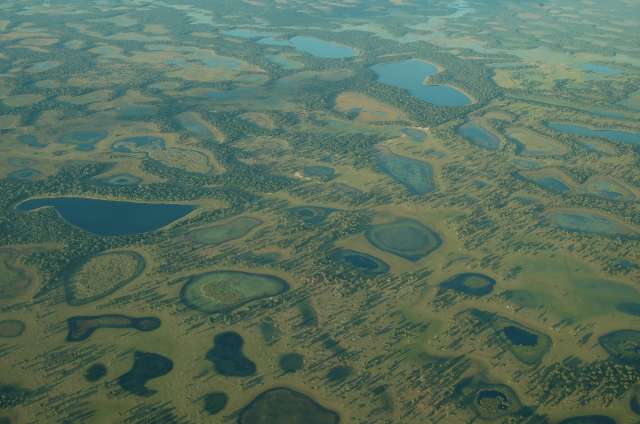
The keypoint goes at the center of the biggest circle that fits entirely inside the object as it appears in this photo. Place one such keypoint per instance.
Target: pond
(285, 62)
(84, 139)
(318, 171)
(624, 137)
(110, 217)
(31, 141)
(311, 214)
(519, 336)
(82, 327)
(227, 356)
(366, 265)
(220, 291)
(601, 69)
(194, 124)
(221, 233)
(415, 175)
(43, 66)
(282, 405)
(406, 238)
(411, 74)
(415, 134)
(607, 188)
(138, 144)
(470, 283)
(121, 180)
(590, 223)
(247, 33)
(479, 136)
(24, 174)
(146, 366)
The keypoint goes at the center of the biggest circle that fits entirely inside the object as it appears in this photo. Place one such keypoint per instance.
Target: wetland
(330, 211)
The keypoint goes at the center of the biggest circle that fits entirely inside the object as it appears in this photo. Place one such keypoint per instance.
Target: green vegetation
(382, 211)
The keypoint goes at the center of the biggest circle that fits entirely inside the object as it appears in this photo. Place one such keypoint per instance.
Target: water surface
(411, 74)
(601, 69)
(625, 137)
(479, 136)
(110, 217)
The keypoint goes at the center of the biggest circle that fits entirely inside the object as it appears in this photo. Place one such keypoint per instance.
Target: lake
(314, 46)
(411, 74)
(625, 137)
(110, 217)
(601, 69)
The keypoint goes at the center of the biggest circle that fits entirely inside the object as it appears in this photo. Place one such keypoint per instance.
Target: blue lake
(479, 136)
(109, 217)
(411, 75)
(625, 137)
(601, 69)
(313, 46)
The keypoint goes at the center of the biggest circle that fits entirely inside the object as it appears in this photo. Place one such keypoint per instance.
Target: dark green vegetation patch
(623, 346)
(406, 238)
(146, 366)
(82, 327)
(12, 396)
(227, 356)
(281, 405)
(221, 291)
